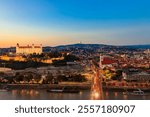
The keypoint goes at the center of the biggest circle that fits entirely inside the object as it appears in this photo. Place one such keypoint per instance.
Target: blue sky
(56, 22)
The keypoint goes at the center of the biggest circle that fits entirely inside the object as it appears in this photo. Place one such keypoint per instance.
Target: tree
(118, 75)
(49, 78)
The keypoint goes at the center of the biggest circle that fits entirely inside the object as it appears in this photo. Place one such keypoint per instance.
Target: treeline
(35, 60)
(16, 65)
(67, 58)
(34, 78)
(55, 54)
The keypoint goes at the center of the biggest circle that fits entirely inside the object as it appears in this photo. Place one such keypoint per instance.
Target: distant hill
(95, 46)
(82, 45)
(103, 45)
(76, 46)
(138, 46)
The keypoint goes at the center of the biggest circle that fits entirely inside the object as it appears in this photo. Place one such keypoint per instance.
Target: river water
(83, 95)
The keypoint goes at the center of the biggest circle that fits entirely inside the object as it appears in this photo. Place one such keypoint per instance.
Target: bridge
(96, 88)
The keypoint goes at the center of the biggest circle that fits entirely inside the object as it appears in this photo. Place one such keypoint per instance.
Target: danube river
(32, 94)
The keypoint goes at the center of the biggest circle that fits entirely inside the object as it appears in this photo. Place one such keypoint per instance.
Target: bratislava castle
(28, 49)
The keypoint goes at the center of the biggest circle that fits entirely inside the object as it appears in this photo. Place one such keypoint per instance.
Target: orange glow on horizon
(11, 40)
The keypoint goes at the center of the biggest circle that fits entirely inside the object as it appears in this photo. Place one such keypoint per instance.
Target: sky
(60, 22)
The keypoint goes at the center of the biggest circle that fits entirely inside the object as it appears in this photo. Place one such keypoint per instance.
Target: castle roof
(29, 46)
(25, 46)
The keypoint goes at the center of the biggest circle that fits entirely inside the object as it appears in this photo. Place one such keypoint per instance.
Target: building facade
(28, 49)
(106, 61)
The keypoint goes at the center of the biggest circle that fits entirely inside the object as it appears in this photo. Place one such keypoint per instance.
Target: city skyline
(60, 22)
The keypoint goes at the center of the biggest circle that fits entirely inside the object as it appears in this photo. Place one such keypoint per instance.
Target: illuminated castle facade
(28, 49)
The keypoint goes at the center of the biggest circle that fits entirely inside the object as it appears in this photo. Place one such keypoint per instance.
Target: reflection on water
(24, 92)
(125, 97)
(83, 95)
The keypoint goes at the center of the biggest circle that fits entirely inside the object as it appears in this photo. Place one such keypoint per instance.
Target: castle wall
(28, 49)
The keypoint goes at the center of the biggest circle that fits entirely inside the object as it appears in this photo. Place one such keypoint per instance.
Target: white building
(4, 69)
(28, 49)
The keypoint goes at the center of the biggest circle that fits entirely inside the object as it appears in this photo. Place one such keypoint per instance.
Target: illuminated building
(28, 49)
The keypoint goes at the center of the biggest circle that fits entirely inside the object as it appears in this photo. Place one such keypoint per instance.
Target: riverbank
(79, 85)
(117, 86)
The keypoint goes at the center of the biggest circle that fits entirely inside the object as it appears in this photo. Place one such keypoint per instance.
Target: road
(96, 88)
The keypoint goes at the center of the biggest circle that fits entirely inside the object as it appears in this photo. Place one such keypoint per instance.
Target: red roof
(107, 60)
(37, 47)
(29, 47)
(25, 46)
